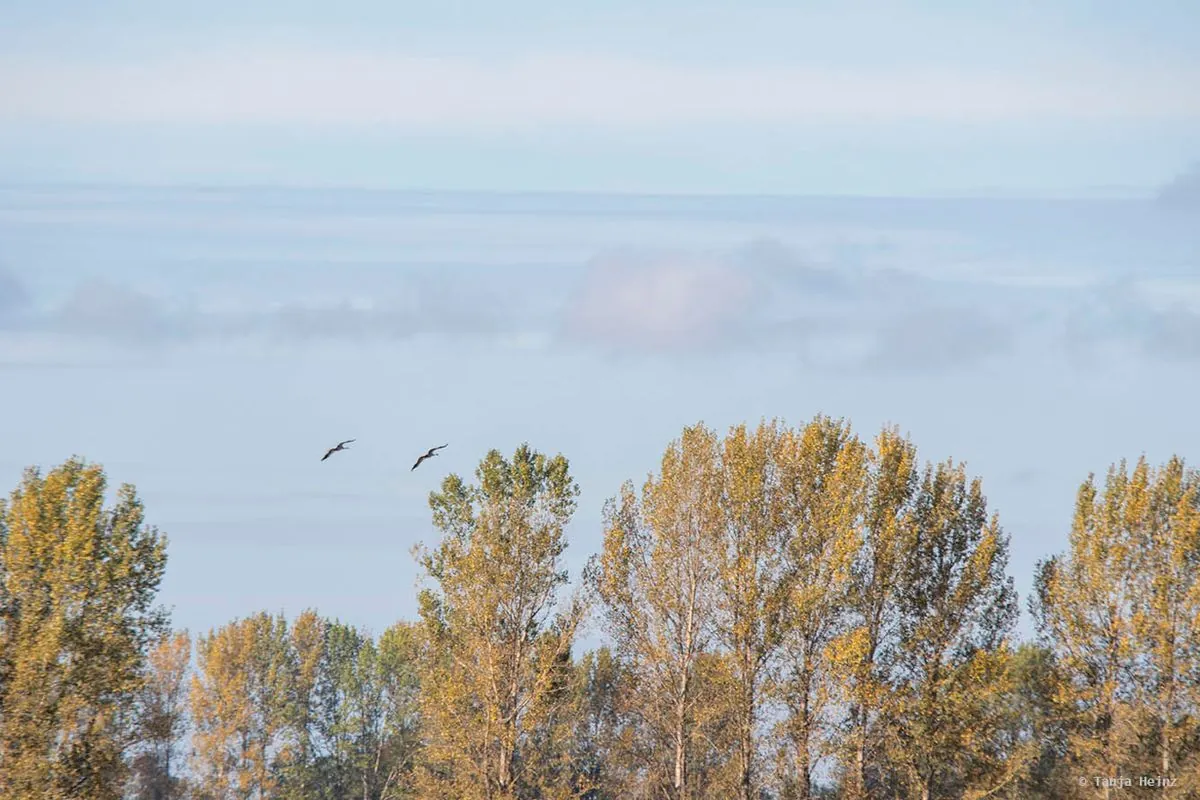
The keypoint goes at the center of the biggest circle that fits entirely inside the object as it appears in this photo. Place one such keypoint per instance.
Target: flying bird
(432, 452)
(332, 450)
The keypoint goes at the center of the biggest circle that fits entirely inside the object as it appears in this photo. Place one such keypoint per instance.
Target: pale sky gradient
(233, 234)
(878, 98)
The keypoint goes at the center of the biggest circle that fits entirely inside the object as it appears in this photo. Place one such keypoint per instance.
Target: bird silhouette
(340, 446)
(432, 452)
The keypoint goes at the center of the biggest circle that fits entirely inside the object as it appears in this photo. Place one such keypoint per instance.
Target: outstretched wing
(439, 447)
(348, 441)
(419, 460)
(328, 453)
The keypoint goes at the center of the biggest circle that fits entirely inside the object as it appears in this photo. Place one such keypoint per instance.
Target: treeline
(788, 613)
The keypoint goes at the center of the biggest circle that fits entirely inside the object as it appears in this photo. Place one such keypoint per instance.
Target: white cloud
(659, 300)
(297, 86)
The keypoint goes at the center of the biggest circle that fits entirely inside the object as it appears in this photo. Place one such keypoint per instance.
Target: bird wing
(348, 441)
(419, 460)
(328, 454)
(439, 447)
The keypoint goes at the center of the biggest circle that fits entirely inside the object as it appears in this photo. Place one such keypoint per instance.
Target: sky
(880, 98)
(231, 239)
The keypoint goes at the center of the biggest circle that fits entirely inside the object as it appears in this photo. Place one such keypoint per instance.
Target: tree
(496, 638)
(1032, 731)
(823, 475)
(748, 548)
(865, 650)
(303, 655)
(1120, 612)
(604, 750)
(657, 579)
(956, 610)
(163, 718)
(1083, 609)
(77, 619)
(393, 738)
(367, 717)
(239, 699)
(1163, 513)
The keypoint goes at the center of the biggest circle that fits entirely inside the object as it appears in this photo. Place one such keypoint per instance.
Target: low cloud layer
(1118, 314)
(14, 297)
(765, 296)
(635, 302)
(1174, 333)
(640, 303)
(106, 310)
(1183, 191)
(938, 339)
(103, 311)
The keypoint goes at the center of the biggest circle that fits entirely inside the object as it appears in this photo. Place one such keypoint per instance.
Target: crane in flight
(340, 446)
(432, 452)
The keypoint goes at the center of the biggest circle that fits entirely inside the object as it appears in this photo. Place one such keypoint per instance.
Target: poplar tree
(303, 656)
(657, 580)
(367, 713)
(823, 476)
(748, 548)
(1084, 610)
(163, 720)
(1121, 611)
(1164, 512)
(497, 639)
(77, 619)
(866, 650)
(605, 748)
(239, 703)
(956, 610)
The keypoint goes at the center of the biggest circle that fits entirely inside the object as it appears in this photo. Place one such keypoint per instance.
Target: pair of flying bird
(342, 446)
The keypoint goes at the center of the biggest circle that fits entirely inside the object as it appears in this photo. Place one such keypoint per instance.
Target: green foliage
(1121, 613)
(77, 619)
(498, 645)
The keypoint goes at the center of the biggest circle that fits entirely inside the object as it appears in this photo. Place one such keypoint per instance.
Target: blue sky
(194, 293)
(880, 98)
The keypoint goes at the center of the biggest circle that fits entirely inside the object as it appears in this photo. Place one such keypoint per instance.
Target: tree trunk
(680, 748)
(803, 765)
(747, 741)
(860, 755)
(504, 772)
(1166, 753)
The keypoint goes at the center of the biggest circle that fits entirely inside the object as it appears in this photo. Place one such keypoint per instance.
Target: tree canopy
(786, 613)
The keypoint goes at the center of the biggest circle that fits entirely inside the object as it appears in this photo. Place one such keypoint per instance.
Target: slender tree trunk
(681, 787)
(803, 759)
(860, 754)
(1109, 750)
(861, 712)
(166, 774)
(1165, 746)
(747, 737)
(680, 736)
(1167, 705)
